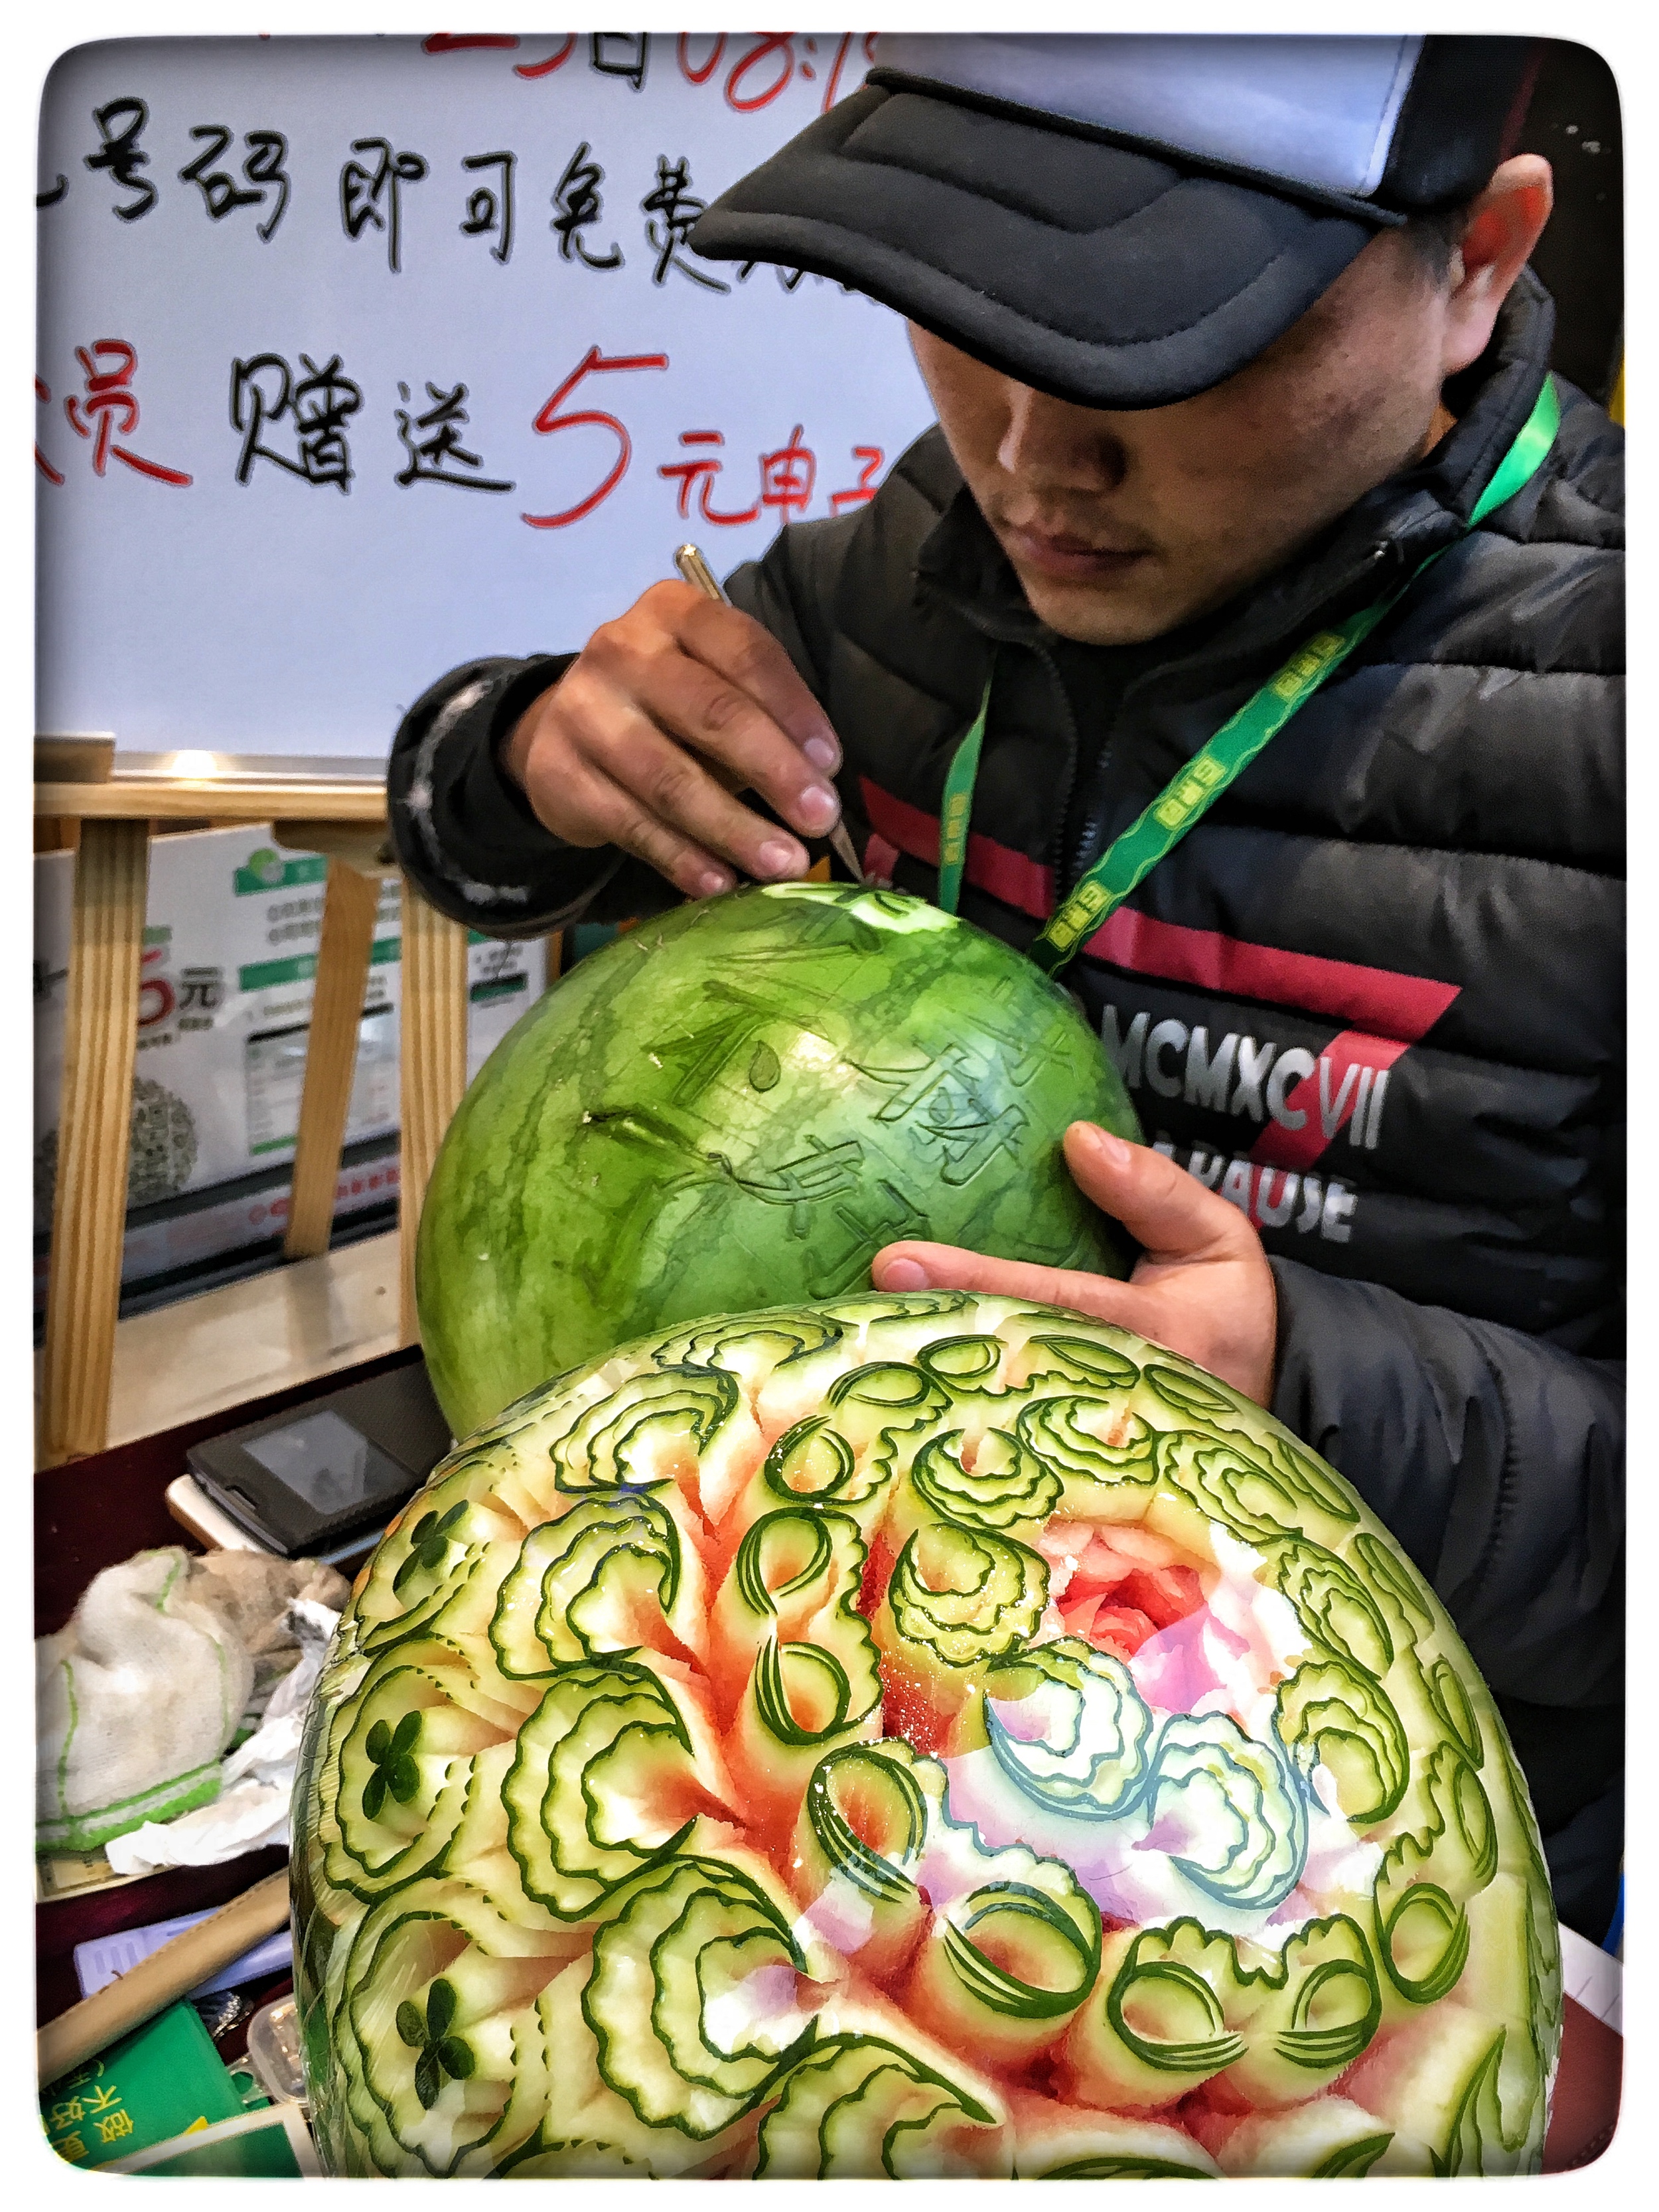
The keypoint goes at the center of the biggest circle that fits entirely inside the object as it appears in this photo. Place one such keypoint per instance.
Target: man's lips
(1068, 559)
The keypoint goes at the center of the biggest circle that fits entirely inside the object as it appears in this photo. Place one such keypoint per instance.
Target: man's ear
(1505, 224)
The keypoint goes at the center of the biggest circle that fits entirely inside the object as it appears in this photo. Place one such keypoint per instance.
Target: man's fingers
(917, 1266)
(667, 712)
(600, 812)
(733, 734)
(591, 725)
(714, 679)
(1165, 1209)
(745, 652)
(673, 784)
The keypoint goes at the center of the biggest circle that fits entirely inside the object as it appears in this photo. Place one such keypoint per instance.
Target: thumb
(1168, 1212)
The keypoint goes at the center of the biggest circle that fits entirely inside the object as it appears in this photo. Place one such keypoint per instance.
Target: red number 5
(549, 419)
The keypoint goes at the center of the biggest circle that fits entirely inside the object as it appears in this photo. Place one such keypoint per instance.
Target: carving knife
(695, 570)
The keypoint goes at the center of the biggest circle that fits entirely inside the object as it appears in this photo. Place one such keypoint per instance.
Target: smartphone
(310, 1479)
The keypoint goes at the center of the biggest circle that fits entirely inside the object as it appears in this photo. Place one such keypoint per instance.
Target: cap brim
(1095, 271)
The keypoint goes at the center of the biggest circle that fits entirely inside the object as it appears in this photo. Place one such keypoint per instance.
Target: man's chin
(1129, 609)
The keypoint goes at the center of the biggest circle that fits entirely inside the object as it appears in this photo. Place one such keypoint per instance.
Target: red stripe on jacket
(1383, 1008)
(1024, 884)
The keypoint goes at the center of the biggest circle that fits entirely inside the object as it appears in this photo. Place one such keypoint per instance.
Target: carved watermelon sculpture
(743, 1101)
(910, 1736)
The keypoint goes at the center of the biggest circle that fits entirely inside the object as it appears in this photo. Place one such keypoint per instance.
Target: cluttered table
(139, 2047)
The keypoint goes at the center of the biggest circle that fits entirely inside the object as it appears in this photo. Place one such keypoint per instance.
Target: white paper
(1594, 1978)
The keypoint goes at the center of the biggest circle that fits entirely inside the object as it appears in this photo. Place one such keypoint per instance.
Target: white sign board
(358, 357)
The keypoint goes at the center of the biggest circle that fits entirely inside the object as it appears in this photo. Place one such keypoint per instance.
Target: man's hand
(1202, 1285)
(665, 713)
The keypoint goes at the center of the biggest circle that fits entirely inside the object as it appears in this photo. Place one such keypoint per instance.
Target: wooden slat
(434, 1020)
(89, 1220)
(365, 844)
(144, 800)
(337, 1008)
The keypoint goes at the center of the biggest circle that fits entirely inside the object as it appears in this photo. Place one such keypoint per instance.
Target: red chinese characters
(592, 362)
(768, 63)
(554, 61)
(43, 395)
(865, 489)
(698, 475)
(108, 409)
(156, 996)
(788, 475)
(460, 42)
(786, 479)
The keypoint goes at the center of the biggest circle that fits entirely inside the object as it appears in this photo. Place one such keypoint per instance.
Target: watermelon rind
(740, 1101)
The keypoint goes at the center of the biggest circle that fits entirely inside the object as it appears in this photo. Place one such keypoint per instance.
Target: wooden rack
(344, 819)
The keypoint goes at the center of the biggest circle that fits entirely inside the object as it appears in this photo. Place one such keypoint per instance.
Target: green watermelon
(742, 1101)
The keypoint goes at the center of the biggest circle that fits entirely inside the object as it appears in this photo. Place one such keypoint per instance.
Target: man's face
(1123, 525)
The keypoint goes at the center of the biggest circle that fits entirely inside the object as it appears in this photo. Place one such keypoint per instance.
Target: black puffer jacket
(1376, 997)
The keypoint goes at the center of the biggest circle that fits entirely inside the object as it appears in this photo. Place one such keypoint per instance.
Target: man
(1227, 338)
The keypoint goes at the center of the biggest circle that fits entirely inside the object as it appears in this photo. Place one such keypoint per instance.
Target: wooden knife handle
(192, 1956)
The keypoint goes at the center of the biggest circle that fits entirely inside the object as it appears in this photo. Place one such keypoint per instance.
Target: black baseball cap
(1120, 219)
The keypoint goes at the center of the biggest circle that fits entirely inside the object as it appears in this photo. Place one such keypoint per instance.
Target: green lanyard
(1229, 752)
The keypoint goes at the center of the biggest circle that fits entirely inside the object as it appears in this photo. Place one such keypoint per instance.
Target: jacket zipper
(1087, 851)
(1068, 723)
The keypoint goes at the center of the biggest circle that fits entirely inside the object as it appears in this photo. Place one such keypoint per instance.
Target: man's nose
(1052, 444)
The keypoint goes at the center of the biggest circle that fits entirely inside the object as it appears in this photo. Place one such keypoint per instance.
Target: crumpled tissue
(255, 1781)
(168, 1659)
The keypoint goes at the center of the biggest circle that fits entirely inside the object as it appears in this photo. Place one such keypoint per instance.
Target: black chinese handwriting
(432, 458)
(670, 209)
(489, 207)
(52, 199)
(119, 123)
(263, 390)
(576, 203)
(218, 188)
(620, 53)
(374, 196)
(267, 151)
(221, 193)
(790, 279)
